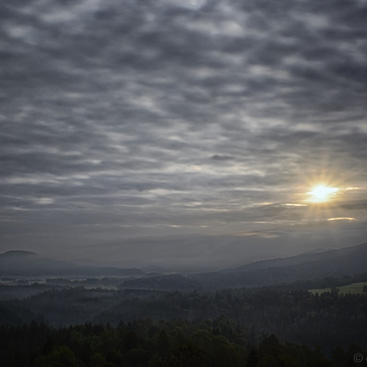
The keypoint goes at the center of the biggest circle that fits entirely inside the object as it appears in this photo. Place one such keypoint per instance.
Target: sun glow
(322, 193)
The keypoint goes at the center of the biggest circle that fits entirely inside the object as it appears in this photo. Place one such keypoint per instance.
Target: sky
(182, 133)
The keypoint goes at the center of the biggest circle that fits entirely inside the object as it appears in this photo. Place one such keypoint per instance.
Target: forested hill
(223, 324)
(353, 253)
(337, 263)
(331, 263)
(214, 343)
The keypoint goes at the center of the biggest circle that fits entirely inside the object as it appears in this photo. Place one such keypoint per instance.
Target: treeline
(327, 320)
(212, 343)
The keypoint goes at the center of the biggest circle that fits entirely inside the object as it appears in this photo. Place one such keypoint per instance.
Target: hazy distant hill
(287, 261)
(335, 263)
(170, 282)
(28, 263)
(307, 266)
(16, 254)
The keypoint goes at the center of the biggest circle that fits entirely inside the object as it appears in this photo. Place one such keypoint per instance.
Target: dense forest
(270, 326)
(215, 343)
(327, 320)
(165, 322)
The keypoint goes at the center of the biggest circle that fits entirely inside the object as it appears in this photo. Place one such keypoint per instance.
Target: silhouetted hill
(26, 263)
(16, 254)
(347, 261)
(30, 263)
(287, 261)
(309, 266)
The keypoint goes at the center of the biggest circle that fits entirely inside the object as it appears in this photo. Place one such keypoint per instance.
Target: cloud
(219, 157)
(342, 218)
(138, 110)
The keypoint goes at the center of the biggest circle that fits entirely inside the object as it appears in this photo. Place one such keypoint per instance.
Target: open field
(354, 288)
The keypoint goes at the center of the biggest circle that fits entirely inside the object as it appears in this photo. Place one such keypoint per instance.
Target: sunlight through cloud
(322, 193)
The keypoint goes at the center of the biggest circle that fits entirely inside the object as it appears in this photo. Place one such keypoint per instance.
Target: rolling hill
(308, 266)
(346, 261)
(26, 263)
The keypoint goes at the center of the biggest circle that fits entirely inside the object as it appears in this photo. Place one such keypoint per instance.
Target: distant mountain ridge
(16, 254)
(308, 266)
(27, 263)
(347, 261)
(293, 260)
(313, 265)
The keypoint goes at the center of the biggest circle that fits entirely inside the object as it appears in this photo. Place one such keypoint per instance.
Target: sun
(322, 193)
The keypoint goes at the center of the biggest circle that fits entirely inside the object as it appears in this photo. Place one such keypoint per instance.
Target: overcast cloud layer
(124, 121)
